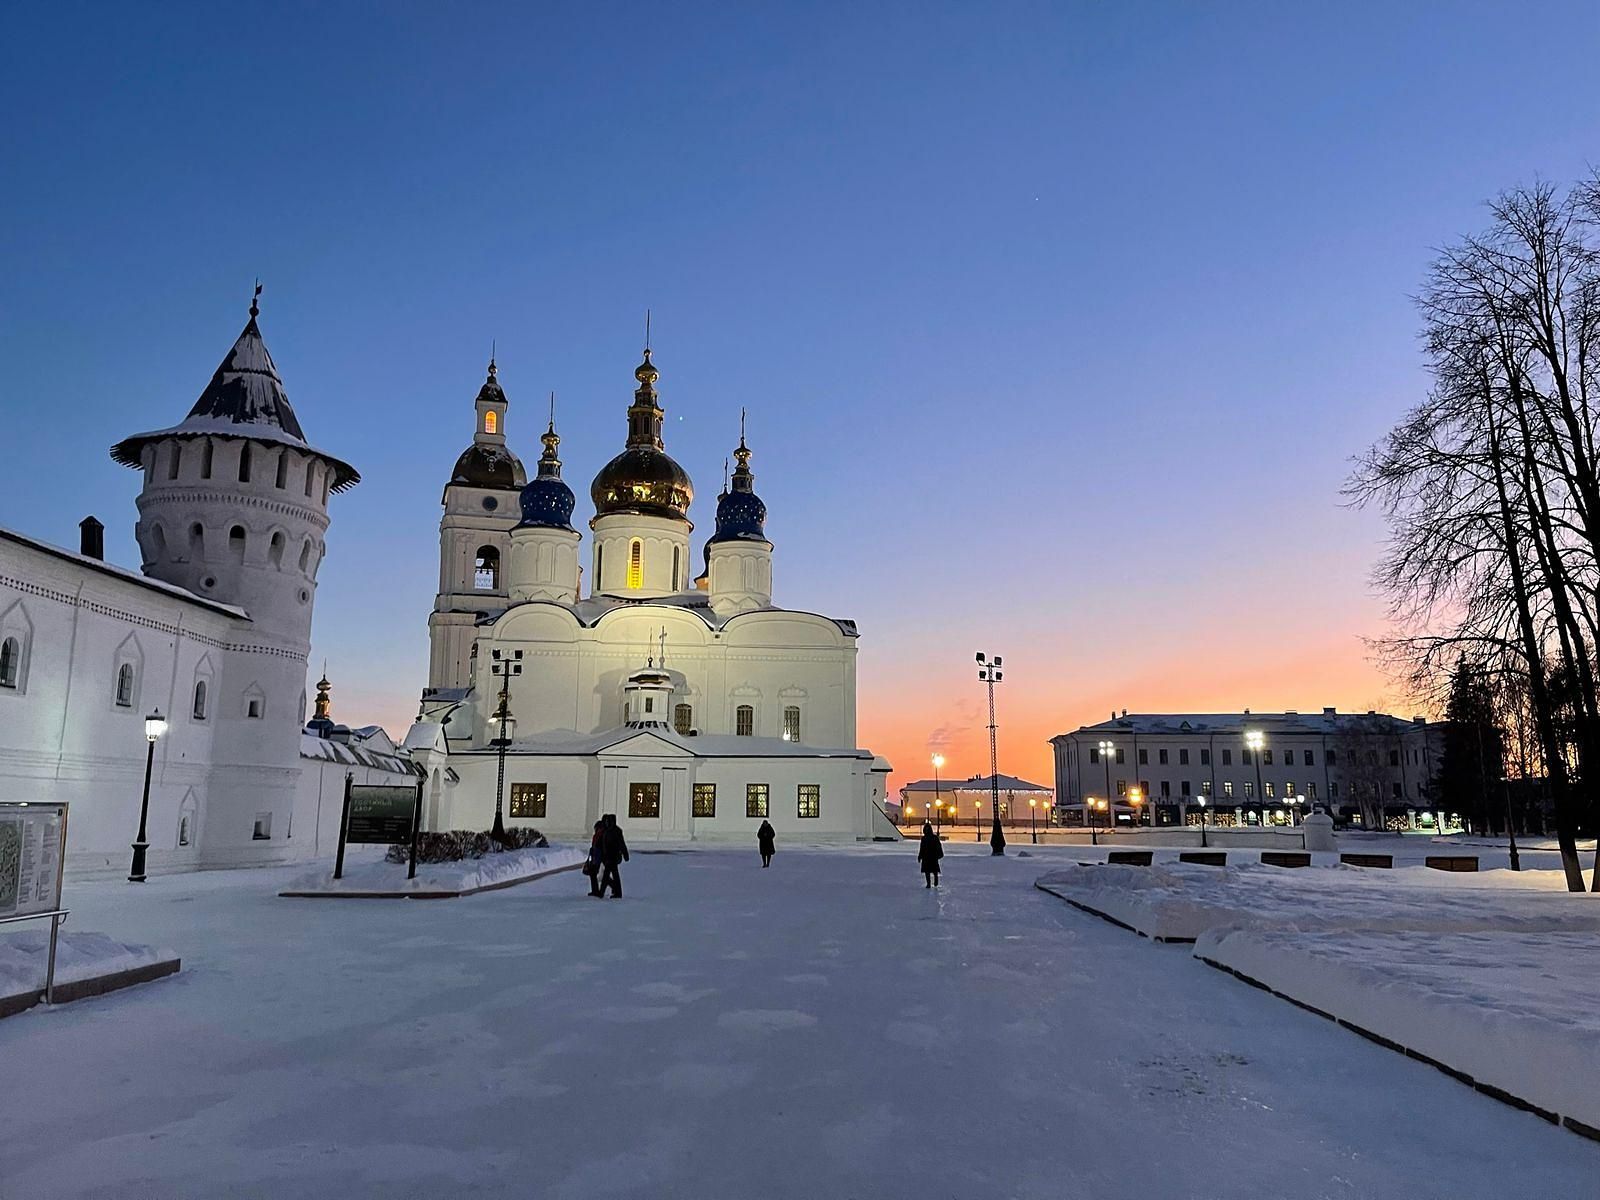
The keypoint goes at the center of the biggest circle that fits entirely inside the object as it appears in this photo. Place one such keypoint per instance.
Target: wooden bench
(1206, 858)
(1452, 862)
(1131, 858)
(1367, 860)
(1286, 858)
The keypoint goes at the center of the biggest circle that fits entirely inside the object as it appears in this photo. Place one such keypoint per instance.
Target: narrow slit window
(636, 564)
(10, 662)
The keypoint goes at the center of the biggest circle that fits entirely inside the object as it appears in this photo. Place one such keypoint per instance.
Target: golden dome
(643, 478)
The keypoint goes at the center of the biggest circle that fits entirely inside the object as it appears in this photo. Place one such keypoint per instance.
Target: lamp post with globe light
(154, 726)
(938, 799)
(1107, 749)
(1255, 740)
(989, 673)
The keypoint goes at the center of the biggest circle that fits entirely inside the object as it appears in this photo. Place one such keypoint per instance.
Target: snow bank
(80, 957)
(381, 878)
(1182, 901)
(1513, 1011)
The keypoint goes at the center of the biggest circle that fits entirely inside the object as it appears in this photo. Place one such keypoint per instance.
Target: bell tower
(480, 510)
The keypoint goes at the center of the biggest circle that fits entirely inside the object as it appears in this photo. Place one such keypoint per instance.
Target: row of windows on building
(125, 683)
(486, 567)
(529, 800)
(1270, 789)
(1307, 757)
(247, 456)
(744, 719)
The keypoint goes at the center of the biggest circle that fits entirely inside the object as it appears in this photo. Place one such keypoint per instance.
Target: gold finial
(324, 705)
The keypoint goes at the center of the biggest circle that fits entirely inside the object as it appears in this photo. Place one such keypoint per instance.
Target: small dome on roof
(486, 465)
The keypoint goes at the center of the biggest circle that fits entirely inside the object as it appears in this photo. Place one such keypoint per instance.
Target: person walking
(766, 839)
(591, 868)
(613, 853)
(929, 853)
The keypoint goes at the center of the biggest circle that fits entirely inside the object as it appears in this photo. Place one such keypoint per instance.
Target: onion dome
(643, 478)
(547, 501)
(488, 462)
(741, 515)
(245, 399)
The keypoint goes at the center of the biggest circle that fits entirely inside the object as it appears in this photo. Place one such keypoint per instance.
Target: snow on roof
(978, 783)
(1327, 721)
(589, 611)
(125, 574)
(354, 754)
(245, 399)
(714, 745)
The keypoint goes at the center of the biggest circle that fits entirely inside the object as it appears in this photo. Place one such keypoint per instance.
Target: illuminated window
(1266, 758)
(486, 569)
(1122, 787)
(1205, 787)
(491, 421)
(1227, 787)
(705, 799)
(755, 799)
(809, 800)
(744, 720)
(1249, 788)
(527, 799)
(1269, 793)
(644, 800)
(683, 719)
(636, 564)
(791, 724)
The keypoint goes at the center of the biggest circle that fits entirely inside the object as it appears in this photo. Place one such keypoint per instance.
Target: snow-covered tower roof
(245, 399)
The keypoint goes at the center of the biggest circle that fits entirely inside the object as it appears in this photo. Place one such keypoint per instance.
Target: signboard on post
(380, 814)
(33, 853)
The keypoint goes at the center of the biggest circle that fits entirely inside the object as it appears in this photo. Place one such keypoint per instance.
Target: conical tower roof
(245, 399)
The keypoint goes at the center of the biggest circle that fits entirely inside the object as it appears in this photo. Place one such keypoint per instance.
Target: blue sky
(1057, 325)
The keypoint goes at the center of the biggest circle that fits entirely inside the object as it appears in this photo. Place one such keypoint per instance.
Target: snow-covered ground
(371, 872)
(826, 1028)
(1181, 901)
(1515, 1011)
(80, 955)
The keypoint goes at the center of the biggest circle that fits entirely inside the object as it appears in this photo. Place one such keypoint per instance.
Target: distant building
(972, 797)
(1363, 768)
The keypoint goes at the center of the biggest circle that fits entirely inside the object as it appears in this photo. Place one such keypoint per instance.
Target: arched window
(125, 686)
(683, 719)
(791, 723)
(158, 543)
(175, 460)
(244, 463)
(10, 662)
(491, 421)
(197, 540)
(744, 720)
(305, 557)
(200, 700)
(184, 829)
(207, 452)
(311, 473)
(283, 469)
(677, 565)
(486, 570)
(275, 548)
(599, 568)
(636, 564)
(236, 543)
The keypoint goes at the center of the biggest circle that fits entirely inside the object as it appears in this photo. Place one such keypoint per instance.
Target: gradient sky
(1057, 324)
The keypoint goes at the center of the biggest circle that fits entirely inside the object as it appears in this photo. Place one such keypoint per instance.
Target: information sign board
(381, 814)
(30, 857)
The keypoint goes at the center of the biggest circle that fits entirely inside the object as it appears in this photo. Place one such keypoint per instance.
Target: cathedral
(688, 705)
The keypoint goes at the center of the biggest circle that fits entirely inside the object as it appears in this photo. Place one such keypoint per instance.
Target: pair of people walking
(608, 850)
(929, 852)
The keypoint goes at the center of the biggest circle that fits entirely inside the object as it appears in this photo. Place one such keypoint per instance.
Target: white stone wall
(664, 547)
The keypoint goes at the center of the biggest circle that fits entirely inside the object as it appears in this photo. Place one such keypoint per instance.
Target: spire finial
(494, 345)
(741, 425)
(552, 411)
(647, 333)
(255, 301)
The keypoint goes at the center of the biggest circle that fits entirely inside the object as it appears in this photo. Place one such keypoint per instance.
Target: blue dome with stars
(741, 515)
(547, 502)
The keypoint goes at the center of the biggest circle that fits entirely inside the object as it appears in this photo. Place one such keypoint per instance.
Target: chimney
(91, 538)
(1330, 712)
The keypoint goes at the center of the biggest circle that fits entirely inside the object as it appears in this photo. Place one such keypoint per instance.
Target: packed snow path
(826, 1028)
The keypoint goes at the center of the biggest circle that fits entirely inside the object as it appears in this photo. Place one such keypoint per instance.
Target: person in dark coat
(929, 853)
(766, 839)
(592, 867)
(613, 853)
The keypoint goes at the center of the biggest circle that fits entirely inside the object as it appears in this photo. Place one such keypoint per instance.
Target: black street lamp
(505, 728)
(938, 797)
(1107, 749)
(1256, 740)
(1033, 817)
(154, 726)
(989, 673)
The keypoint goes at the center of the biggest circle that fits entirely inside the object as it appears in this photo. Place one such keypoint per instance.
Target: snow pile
(79, 956)
(1182, 901)
(1514, 1011)
(381, 877)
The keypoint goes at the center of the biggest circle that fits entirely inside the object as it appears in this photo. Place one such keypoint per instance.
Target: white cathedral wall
(664, 546)
(572, 676)
(580, 789)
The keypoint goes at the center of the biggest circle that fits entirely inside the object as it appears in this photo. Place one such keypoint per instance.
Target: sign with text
(381, 814)
(31, 845)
